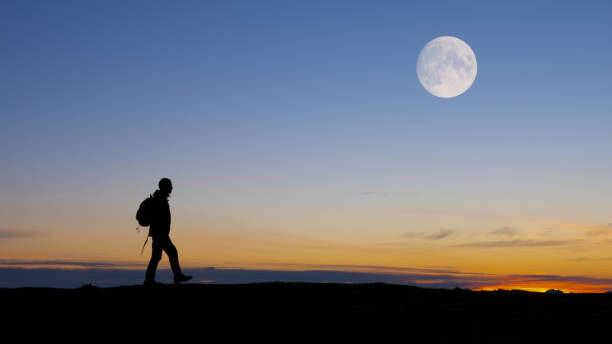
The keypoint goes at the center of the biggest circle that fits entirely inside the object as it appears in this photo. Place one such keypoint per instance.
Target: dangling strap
(143, 245)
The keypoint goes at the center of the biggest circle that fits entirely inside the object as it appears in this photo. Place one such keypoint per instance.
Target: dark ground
(439, 315)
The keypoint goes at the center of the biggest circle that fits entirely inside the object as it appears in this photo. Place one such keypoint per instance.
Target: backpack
(145, 212)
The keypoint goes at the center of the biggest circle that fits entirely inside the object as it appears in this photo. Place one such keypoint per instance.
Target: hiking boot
(181, 278)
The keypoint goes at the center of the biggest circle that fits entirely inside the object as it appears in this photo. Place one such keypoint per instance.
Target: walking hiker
(156, 212)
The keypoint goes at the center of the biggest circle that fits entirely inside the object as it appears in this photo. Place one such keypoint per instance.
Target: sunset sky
(298, 137)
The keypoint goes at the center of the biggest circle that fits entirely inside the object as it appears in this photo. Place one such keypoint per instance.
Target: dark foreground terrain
(267, 310)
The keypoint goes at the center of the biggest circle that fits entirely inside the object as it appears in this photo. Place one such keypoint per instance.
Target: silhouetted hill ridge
(437, 313)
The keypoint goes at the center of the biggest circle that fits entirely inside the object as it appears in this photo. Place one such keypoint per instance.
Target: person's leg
(172, 256)
(156, 256)
(174, 262)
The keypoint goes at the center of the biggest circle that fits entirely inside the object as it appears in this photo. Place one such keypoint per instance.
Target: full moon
(446, 67)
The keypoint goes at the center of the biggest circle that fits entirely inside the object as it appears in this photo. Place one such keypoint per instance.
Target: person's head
(165, 185)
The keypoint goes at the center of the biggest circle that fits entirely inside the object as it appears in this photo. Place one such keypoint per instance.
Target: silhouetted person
(159, 230)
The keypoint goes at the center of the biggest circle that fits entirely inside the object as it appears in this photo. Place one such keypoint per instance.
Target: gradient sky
(297, 134)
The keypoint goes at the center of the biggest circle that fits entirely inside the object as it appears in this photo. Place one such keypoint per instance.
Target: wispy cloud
(597, 231)
(443, 233)
(7, 233)
(590, 259)
(589, 230)
(67, 263)
(559, 278)
(516, 243)
(440, 235)
(504, 231)
(363, 268)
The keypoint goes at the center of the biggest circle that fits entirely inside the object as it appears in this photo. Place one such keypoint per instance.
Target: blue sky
(327, 79)
(250, 106)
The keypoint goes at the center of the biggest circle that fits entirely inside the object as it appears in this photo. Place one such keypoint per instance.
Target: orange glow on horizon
(543, 286)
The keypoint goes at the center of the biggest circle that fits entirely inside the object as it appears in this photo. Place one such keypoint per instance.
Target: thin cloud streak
(599, 232)
(590, 259)
(504, 231)
(7, 233)
(516, 243)
(443, 233)
(558, 278)
(67, 263)
(370, 268)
